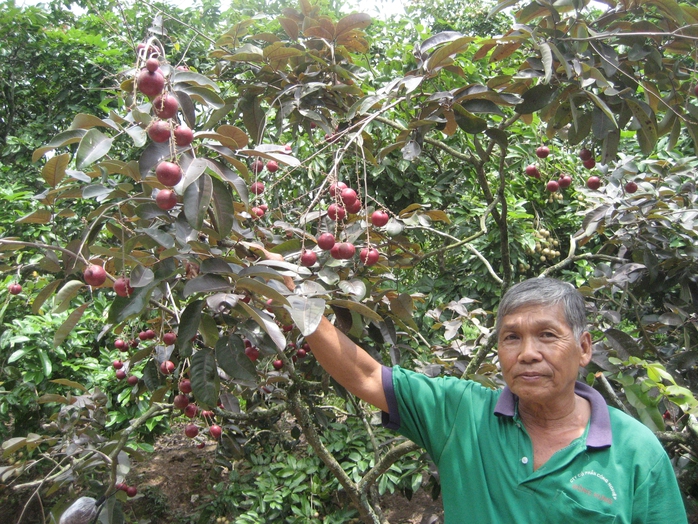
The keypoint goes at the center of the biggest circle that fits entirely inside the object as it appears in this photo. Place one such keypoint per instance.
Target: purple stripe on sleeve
(391, 420)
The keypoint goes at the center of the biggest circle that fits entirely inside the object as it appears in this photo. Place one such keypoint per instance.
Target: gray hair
(545, 292)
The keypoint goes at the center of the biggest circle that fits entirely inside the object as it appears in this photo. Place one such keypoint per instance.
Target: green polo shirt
(617, 472)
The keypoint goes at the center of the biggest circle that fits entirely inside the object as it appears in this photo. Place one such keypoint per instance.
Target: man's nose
(529, 350)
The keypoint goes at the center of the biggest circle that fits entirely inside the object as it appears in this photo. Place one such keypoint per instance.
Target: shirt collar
(599, 435)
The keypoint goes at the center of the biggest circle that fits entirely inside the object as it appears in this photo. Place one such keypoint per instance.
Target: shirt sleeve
(657, 499)
(426, 410)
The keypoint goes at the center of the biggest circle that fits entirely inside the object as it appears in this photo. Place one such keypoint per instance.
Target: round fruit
(183, 135)
(169, 338)
(257, 166)
(167, 367)
(132, 491)
(247, 342)
(306, 346)
(542, 152)
(168, 173)
(589, 164)
(215, 431)
(355, 207)
(252, 353)
(132, 380)
(278, 364)
(565, 181)
(264, 208)
(336, 212)
(348, 196)
(150, 334)
(257, 188)
(134, 343)
(272, 166)
(95, 275)
(369, 256)
(553, 186)
(532, 170)
(346, 250)
(152, 64)
(336, 188)
(325, 241)
(379, 218)
(150, 83)
(208, 414)
(301, 353)
(122, 287)
(120, 344)
(257, 212)
(185, 386)
(143, 335)
(191, 410)
(159, 131)
(120, 374)
(117, 364)
(308, 258)
(181, 401)
(14, 289)
(191, 430)
(287, 328)
(593, 182)
(121, 486)
(166, 199)
(334, 252)
(270, 305)
(585, 154)
(201, 445)
(630, 187)
(165, 106)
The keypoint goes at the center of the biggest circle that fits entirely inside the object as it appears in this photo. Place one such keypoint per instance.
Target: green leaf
(359, 308)
(70, 323)
(85, 121)
(206, 284)
(197, 198)
(223, 210)
(204, 378)
(647, 134)
(70, 384)
(266, 323)
(306, 313)
(230, 354)
(546, 55)
(54, 170)
(12, 445)
(443, 56)
(46, 292)
(402, 306)
(232, 178)
(188, 327)
(93, 146)
(260, 288)
(192, 78)
(123, 308)
(536, 98)
(45, 363)
(467, 121)
(65, 295)
(61, 139)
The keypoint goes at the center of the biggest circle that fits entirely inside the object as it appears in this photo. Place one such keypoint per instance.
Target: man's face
(539, 354)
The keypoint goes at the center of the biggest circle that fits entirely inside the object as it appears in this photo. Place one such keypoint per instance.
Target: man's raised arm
(348, 364)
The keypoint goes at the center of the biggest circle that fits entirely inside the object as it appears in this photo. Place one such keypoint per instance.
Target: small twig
(608, 389)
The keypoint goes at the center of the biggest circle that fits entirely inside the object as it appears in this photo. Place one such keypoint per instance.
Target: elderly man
(546, 448)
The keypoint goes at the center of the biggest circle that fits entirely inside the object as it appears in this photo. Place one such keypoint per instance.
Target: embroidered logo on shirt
(581, 483)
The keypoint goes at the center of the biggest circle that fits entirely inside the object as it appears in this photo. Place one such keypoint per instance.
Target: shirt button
(524, 460)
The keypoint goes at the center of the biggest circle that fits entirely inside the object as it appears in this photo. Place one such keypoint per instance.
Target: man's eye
(548, 334)
(510, 336)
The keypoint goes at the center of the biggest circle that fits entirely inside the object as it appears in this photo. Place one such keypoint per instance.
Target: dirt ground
(181, 476)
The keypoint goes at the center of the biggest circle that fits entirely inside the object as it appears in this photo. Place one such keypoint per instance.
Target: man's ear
(585, 343)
